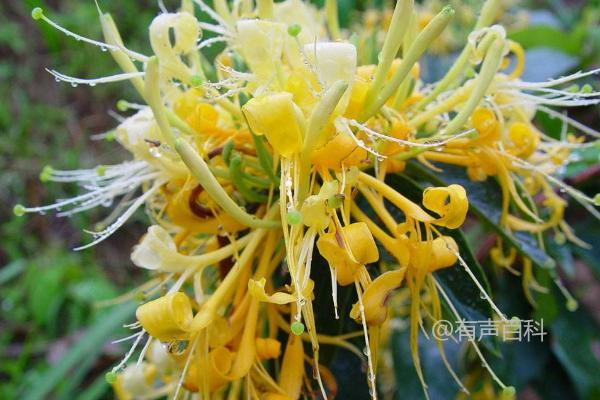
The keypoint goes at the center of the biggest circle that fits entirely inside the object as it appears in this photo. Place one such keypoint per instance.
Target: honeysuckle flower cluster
(250, 165)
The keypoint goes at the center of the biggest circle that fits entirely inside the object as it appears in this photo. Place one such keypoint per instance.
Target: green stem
(265, 9)
(489, 12)
(421, 43)
(264, 158)
(331, 11)
(391, 45)
(489, 68)
(315, 133)
(152, 96)
(237, 177)
(320, 116)
(112, 37)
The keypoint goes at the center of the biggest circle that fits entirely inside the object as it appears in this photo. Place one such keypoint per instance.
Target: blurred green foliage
(48, 293)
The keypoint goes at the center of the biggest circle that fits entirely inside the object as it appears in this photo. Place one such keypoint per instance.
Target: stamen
(481, 289)
(373, 388)
(214, 28)
(100, 236)
(209, 42)
(554, 82)
(135, 335)
(341, 125)
(576, 124)
(580, 197)
(185, 367)
(130, 352)
(431, 142)
(471, 340)
(38, 13)
(93, 82)
(205, 8)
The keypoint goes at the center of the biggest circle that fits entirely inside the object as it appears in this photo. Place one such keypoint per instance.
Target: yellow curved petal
(275, 117)
(450, 203)
(256, 289)
(377, 295)
(361, 250)
(340, 151)
(167, 318)
(436, 254)
(292, 367)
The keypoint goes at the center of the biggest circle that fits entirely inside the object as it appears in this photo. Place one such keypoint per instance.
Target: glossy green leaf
(549, 36)
(575, 343)
(441, 385)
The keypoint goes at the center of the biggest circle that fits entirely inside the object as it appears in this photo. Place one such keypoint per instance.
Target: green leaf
(549, 36)
(345, 366)
(589, 231)
(544, 63)
(485, 203)
(441, 385)
(45, 293)
(574, 337)
(89, 346)
(11, 271)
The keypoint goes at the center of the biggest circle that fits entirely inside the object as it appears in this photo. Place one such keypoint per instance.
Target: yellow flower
(167, 318)
(439, 253)
(340, 152)
(276, 117)
(348, 249)
(377, 295)
(267, 348)
(450, 203)
(525, 139)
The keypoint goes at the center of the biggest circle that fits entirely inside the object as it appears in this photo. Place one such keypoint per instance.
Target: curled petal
(486, 124)
(157, 251)
(439, 253)
(525, 139)
(450, 203)
(275, 116)
(256, 289)
(167, 318)
(377, 295)
(346, 260)
(220, 361)
(186, 32)
(341, 151)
